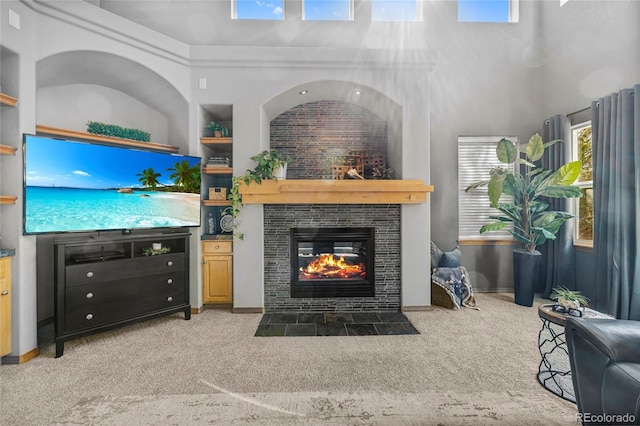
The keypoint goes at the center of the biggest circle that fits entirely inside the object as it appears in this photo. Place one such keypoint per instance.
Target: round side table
(554, 371)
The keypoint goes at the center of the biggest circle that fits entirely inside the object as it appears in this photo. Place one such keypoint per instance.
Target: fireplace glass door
(332, 262)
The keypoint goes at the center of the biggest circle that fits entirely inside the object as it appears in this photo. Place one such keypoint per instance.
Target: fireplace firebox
(332, 262)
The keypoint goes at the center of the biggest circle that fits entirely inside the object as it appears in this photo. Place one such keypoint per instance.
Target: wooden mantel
(335, 192)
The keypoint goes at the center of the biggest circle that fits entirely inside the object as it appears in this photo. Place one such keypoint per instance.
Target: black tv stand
(109, 281)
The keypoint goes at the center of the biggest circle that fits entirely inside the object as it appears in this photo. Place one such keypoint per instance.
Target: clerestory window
(258, 9)
(396, 10)
(488, 10)
(327, 10)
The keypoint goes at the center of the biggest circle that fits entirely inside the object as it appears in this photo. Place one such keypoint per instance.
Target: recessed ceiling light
(358, 92)
(303, 92)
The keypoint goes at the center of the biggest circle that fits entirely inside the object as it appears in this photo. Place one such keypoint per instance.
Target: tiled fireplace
(316, 135)
(344, 229)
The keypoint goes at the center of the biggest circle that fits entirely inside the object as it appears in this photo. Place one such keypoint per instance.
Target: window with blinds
(476, 157)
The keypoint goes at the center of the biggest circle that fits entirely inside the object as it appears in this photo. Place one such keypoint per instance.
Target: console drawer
(93, 294)
(86, 317)
(90, 273)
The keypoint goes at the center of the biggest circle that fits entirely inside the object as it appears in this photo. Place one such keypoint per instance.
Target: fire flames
(328, 266)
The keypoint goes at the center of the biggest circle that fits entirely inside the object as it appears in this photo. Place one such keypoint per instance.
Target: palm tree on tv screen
(186, 176)
(149, 178)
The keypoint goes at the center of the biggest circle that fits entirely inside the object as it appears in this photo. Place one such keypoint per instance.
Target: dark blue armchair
(605, 369)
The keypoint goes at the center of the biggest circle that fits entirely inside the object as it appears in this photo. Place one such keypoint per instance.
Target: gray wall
(588, 50)
(488, 79)
(495, 79)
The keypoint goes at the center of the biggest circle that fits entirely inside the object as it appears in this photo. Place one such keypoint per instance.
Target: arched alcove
(330, 98)
(78, 78)
(322, 134)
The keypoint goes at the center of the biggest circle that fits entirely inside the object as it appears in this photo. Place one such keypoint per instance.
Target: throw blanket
(455, 281)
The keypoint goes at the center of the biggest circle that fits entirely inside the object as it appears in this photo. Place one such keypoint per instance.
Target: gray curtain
(557, 266)
(616, 187)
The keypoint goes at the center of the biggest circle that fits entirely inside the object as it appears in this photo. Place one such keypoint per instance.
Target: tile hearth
(334, 324)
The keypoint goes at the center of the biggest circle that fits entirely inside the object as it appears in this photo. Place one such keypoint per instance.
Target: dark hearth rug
(334, 324)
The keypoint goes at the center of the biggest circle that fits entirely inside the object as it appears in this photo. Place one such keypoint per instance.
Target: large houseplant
(266, 163)
(528, 213)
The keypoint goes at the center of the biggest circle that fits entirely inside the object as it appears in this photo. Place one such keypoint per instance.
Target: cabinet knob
(204, 261)
(89, 295)
(5, 292)
(89, 317)
(169, 299)
(169, 281)
(217, 247)
(89, 274)
(170, 263)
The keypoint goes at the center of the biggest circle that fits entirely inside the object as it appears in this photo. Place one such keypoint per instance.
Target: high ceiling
(208, 22)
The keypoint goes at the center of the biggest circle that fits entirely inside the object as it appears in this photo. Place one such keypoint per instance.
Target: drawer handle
(170, 263)
(89, 274)
(5, 292)
(169, 281)
(89, 295)
(217, 247)
(169, 299)
(89, 317)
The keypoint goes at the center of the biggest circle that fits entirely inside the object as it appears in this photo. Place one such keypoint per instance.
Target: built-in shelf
(7, 199)
(7, 150)
(211, 203)
(216, 141)
(217, 170)
(335, 192)
(7, 100)
(74, 134)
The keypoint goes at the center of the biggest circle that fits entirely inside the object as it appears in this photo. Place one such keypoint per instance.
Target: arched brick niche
(313, 134)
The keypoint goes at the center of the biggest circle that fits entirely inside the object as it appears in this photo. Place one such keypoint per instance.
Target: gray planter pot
(525, 275)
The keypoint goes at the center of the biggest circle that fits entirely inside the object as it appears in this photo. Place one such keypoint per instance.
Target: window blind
(476, 157)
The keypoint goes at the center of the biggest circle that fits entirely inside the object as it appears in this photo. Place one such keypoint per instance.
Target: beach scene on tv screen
(75, 186)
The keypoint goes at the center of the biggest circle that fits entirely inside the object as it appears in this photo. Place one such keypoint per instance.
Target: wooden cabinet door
(217, 278)
(5, 306)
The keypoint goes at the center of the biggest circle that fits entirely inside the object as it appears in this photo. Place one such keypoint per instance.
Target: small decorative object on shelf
(226, 221)
(217, 193)
(117, 131)
(150, 251)
(342, 165)
(218, 162)
(216, 130)
(211, 224)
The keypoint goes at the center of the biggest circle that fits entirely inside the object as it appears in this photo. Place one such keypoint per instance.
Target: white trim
(575, 204)
(514, 10)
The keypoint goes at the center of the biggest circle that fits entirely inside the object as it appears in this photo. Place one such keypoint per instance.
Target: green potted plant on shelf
(267, 165)
(570, 299)
(528, 213)
(214, 129)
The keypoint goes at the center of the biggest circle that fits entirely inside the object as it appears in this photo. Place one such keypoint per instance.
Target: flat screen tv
(72, 186)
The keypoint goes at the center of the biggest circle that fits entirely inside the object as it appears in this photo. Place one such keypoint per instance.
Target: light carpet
(327, 408)
(465, 367)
